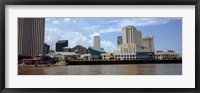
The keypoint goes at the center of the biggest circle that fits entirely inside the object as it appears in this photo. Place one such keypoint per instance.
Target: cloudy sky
(167, 32)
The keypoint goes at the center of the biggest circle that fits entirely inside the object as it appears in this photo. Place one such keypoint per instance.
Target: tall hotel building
(97, 42)
(148, 43)
(31, 36)
(119, 40)
(131, 40)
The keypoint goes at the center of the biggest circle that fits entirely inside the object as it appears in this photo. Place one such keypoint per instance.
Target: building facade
(31, 36)
(67, 49)
(95, 52)
(46, 48)
(148, 43)
(145, 55)
(60, 44)
(160, 55)
(119, 40)
(80, 49)
(119, 56)
(131, 40)
(97, 41)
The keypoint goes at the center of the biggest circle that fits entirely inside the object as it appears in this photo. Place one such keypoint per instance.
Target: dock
(104, 62)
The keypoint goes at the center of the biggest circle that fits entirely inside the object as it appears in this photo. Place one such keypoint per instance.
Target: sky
(167, 32)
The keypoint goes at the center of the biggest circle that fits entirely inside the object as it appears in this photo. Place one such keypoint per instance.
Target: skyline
(167, 32)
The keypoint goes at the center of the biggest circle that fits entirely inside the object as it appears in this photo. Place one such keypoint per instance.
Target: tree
(74, 57)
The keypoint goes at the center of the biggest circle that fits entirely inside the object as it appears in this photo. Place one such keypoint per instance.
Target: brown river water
(119, 69)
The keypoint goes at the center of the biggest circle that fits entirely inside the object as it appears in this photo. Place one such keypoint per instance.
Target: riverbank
(114, 69)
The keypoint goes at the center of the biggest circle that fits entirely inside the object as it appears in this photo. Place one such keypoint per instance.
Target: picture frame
(98, 2)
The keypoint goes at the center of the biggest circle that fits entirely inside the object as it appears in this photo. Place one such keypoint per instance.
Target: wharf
(102, 62)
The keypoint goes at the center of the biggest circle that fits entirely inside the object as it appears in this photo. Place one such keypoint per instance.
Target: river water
(119, 69)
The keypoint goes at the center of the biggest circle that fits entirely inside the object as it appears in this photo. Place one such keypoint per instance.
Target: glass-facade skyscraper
(60, 44)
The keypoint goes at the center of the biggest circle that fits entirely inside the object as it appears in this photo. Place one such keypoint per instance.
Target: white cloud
(77, 38)
(110, 30)
(91, 27)
(74, 21)
(94, 34)
(142, 21)
(49, 19)
(69, 20)
(56, 22)
(66, 19)
(108, 46)
(52, 35)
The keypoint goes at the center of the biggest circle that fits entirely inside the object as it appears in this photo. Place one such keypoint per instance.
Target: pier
(104, 62)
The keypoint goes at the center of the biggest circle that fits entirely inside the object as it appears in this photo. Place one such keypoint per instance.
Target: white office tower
(148, 43)
(97, 42)
(131, 40)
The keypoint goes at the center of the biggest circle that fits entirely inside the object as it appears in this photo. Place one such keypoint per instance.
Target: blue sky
(167, 32)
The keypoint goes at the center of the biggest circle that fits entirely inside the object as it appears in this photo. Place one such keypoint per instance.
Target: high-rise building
(31, 36)
(80, 49)
(119, 40)
(148, 43)
(46, 48)
(131, 40)
(97, 42)
(130, 35)
(60, 44)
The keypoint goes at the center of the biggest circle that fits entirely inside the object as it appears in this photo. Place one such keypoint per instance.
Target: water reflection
(128, 69)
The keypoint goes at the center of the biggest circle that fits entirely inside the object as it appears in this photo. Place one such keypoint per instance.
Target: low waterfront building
(67, 49)
(65, 55)
(95, 52)
(142, 56)
(108, 56)
(166, 55)
(145, 55)
(85, 57)
(80, 49)
(119, 56)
